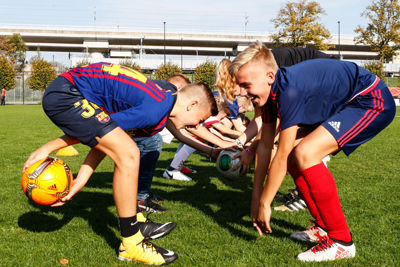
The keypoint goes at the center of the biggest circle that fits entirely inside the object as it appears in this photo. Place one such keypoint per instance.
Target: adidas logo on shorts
(335, 125)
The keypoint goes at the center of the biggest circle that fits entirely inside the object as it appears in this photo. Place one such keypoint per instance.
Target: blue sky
(211, 16)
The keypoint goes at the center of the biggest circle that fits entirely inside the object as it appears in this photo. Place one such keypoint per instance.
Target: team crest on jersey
(102, 117)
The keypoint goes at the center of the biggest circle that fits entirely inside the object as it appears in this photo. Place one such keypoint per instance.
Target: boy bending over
(94, 105)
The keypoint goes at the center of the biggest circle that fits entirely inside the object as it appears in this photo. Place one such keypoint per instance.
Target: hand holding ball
(47, 180)
(226, 163)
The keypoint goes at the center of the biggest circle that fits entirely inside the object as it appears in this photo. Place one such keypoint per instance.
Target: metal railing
(23, 95)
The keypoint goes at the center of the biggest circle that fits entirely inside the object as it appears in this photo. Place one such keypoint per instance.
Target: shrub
(82, 63)
(375, 67)
(130, 64)
(167, 70)
(205, 73)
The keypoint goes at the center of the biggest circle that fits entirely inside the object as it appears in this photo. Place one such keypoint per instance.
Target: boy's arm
(276, 175)
(45, 150)
(238, 124)
(253, 128)
(208, 136)
(263, 157)
(186, 140)
(93, 159)
(246, 156)
(225, 130)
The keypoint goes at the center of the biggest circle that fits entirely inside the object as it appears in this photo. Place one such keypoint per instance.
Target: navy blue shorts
(364, 116)
(73, 114)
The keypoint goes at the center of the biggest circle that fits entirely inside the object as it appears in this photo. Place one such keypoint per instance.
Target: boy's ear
(192, 104)
(270, 76)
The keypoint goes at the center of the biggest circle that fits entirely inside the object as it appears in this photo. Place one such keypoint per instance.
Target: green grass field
(214, 227)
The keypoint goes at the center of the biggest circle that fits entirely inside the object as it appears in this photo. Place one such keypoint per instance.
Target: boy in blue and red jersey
(341, 104)
(94, 105)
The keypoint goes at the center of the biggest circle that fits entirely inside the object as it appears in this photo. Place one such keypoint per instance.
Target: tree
(14, 48)
(7, 74)
(383, 30)
(166, 70)
(205, 73)
(43, 73)
(298, 25)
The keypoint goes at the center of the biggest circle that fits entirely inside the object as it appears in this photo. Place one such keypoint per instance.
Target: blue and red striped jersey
(132, 100)
(310, 92)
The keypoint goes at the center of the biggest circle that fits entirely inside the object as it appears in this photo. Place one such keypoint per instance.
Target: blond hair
(256, 51)
(224, 81)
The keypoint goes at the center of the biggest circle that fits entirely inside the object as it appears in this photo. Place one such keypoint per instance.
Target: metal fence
(23, 95)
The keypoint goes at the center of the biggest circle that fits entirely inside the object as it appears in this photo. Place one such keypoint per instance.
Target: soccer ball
(47, 180)
(225, 164)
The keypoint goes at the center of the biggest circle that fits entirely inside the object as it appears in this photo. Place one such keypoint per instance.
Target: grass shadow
(90, 206)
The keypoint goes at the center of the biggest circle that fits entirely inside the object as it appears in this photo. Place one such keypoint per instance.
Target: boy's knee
(129, 158)
(301, 156)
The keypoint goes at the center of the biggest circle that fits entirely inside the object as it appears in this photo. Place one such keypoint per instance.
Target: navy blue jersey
(310, 92)
(132, 100)
(233, 107)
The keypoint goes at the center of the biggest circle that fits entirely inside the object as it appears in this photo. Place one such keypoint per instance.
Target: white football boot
(328, 250)
(176, 175)
(312, 234)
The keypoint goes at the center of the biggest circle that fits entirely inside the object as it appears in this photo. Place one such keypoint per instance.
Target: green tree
(130, 64)
(7, 74)
(205, 73)
(43, 73)
(298, 25)
(383, 30)
(166, 70)
(14, 48)
(375, 67)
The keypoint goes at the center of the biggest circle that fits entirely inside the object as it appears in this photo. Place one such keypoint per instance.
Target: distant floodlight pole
(164, 44)
(246, 20)
(340, 57)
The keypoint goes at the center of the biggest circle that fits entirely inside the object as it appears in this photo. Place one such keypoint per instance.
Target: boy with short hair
(346, 105)
(93, 105)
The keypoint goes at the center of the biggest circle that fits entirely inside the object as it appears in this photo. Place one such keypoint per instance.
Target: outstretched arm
(276, 175)
(195, 144)
(93, 159)
(45, 150)
(208, 136)
(253, 128)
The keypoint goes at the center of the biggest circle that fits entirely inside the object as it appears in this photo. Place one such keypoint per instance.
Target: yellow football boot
(138, 248)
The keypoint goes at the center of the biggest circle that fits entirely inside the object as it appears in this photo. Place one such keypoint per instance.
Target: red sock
(302, 186)
(324, 193)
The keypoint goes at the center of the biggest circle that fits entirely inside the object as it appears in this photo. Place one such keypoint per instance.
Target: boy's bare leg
(126, 156)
